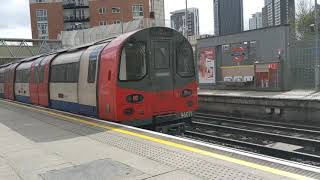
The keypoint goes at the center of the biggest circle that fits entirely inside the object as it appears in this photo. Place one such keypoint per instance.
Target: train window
(72, 72)
(185, 62)
(23, 76)
(92, 71)
(36, 75)
(133, 62)
(41, 73)
(1, 77)
(92, 68)
(65, 73)
(58, 73)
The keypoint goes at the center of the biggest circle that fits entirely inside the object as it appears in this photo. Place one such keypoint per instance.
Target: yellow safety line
(173, 144)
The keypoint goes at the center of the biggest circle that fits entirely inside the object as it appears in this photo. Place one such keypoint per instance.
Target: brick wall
(55, 18)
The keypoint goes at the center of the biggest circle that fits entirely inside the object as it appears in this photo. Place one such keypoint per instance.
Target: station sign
(238, 54)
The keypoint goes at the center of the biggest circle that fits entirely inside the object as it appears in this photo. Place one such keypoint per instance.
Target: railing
(73, 5)
(76, 19)
(15, 49)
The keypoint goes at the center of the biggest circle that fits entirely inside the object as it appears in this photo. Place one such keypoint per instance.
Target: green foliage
(305, 20)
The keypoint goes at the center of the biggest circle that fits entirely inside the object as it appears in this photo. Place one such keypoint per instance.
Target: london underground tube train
(142, 78)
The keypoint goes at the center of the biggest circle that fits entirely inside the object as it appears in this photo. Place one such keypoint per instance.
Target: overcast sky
(15, 17)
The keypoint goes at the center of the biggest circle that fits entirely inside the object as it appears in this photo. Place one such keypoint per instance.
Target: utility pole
(186, 20)
(316, 27)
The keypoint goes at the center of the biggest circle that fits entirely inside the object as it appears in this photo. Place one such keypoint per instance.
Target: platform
(295, 105)
(288, 95)
(41, 144)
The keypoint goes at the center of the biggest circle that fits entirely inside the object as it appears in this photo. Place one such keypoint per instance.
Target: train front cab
(155, 82)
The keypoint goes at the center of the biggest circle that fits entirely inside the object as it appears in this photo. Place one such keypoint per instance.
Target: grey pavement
(35, 146)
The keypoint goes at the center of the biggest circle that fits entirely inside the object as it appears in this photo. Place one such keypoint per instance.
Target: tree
(305, 19)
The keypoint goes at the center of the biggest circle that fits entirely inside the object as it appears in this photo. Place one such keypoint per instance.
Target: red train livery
(146, 77)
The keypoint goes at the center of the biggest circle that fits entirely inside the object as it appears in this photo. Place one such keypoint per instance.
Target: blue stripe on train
(74, 108)
(24, 99)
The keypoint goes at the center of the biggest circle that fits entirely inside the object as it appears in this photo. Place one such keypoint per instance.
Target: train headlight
(186, 93)
(134, 98)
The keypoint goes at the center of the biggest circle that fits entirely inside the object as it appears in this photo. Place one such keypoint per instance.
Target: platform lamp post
(186, 20)
(316, 29)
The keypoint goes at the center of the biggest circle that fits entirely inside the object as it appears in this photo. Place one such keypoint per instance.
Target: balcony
(76, 19)
(73, 5)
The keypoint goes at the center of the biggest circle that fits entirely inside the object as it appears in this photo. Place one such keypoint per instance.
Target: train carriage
(63, 85)
(140, 78)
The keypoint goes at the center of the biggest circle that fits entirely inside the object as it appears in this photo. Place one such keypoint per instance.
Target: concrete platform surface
(45, 145)
(293, 95)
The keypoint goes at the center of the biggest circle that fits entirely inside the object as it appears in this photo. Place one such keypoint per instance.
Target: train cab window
(185, 62)
(133, 62)
(162, 56)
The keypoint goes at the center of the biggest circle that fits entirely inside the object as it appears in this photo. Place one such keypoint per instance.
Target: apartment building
(50, 17)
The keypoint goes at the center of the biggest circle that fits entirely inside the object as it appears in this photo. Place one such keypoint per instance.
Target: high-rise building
(178, 20)
(50, 17)
(228, 16)
(255, 22)
(278, 12)
(266, 2)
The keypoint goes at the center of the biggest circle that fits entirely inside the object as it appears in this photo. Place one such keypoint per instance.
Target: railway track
(288, 141)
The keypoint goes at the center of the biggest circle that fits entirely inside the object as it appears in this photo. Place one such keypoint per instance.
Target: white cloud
(15, 19)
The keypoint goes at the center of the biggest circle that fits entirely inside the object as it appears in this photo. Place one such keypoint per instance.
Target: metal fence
(303, 58)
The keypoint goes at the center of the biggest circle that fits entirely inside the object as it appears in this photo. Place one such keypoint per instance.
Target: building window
(116, 22)
(41, 1)
(42, 30)
(116, 9)
(102, 23)
(102, 10)
(137, 10)
(42, 15)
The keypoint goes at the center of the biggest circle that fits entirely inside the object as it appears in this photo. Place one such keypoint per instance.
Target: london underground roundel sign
(238, 54)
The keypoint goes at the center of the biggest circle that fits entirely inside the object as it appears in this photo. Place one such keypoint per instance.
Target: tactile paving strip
(181, 161)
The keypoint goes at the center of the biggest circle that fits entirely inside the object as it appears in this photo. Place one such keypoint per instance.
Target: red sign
(238, 54)
(273, 66)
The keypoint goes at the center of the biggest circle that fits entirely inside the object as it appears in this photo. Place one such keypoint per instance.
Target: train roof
(121, 38)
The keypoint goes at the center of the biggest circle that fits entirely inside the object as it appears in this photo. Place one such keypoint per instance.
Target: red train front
(154, 81)
(140, 78)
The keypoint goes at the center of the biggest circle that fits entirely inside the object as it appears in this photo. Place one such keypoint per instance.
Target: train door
(87, 84)
(162, 77)
(11, 78)
(34, 82)
(43, 85)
